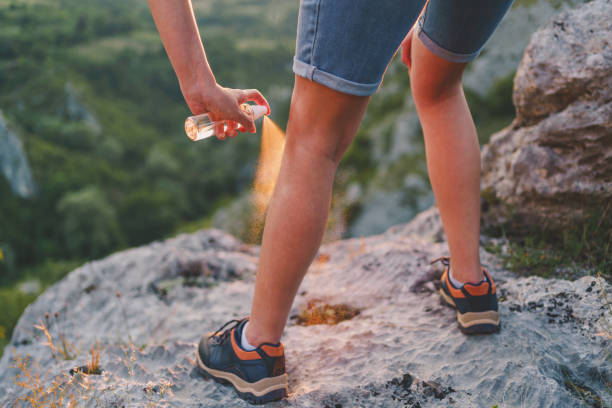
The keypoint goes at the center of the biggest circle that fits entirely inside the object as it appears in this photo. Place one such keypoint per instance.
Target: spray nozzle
(257, 111)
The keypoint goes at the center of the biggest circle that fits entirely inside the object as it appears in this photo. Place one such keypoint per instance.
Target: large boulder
(553, 165)
(147, 307)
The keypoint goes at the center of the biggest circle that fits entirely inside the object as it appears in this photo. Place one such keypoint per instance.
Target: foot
(476, 303)
(258, 376)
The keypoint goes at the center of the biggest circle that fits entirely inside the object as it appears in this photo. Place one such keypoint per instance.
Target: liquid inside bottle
(201, 126)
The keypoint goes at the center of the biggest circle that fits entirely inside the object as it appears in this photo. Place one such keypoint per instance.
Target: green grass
(12, 304)
(582, 248)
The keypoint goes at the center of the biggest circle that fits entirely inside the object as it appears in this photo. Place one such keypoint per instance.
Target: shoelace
(444, 259)
(226, 332)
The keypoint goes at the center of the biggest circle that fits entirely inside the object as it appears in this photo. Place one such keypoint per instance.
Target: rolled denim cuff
(334, 82)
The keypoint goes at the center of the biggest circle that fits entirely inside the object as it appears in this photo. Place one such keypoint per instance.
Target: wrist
(199, 88)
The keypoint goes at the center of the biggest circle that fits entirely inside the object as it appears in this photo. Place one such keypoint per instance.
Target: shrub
(89, 223)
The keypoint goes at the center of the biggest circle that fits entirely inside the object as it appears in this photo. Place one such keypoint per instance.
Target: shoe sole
(473, 322)
(262, 391)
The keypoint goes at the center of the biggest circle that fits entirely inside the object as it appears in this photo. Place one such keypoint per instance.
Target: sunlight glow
(266, 174)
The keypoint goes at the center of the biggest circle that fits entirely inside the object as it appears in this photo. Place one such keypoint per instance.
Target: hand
(406, 49)
(223, 105)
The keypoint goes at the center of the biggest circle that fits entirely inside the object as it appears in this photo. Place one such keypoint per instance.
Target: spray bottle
(201, 126)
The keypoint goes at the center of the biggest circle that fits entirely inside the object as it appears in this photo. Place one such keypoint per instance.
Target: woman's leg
(453, 155)
(322, 124)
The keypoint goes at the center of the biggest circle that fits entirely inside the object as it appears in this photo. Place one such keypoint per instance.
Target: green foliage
(50, 271)
(582, 247)
(90, 91)
(89, 224)
(7, 262)
(147, 213)
(12, 303)
(494, 110)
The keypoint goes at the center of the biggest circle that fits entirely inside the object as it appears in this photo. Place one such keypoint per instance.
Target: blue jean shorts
(346, 45)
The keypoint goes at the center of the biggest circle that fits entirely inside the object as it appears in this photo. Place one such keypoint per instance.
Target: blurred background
(93, 154)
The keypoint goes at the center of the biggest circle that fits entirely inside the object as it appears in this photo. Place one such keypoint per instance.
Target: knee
(315, 147)
(430, 87)
(322, 122)
(433, 79)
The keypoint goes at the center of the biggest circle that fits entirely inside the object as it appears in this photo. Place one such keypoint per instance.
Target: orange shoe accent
(477, 290)
(482, 289)
(273, 351)
(243, 354)
(456, 293)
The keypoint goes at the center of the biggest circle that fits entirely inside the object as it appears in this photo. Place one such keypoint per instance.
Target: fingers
(219, 127)
(246, 122)
(230, 130)
(220, 130)
(229, 115)
(255, 96)
(224, 128)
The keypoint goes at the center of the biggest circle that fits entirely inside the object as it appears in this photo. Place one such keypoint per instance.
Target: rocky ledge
(147, 307)
(553, 165)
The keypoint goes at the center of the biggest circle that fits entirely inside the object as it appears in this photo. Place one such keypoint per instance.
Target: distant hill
(87, 88)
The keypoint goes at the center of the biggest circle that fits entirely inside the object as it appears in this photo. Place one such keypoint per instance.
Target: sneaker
(476, 303)
(258, 376)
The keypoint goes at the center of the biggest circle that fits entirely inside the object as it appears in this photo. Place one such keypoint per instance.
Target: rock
(14, 163)
(554, 162)
(504, 50)
(75, 110)
(427, 225)
(402, 349)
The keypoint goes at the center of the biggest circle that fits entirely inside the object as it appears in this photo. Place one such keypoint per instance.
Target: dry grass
(93, 367)
(318, 312)
(42, 391)
(322, 258)
(162, 389)
(62, 390)
(124, 317)
(64, 350)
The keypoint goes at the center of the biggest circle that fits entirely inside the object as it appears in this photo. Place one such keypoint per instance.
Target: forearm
(179, 33)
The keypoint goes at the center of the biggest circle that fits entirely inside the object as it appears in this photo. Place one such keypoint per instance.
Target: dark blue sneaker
(258, 376)
(476, 303)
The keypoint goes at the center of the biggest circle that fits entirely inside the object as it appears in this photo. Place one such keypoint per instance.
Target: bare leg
(322, 124)
(453, 155)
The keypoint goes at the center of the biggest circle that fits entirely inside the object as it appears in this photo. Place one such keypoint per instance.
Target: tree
(89, 223)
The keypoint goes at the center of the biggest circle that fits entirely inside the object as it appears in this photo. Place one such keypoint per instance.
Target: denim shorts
(346, 45)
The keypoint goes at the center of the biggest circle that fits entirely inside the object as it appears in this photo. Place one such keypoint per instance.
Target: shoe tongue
(240, 328)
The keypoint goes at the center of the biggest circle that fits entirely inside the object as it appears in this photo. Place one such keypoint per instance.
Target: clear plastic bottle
(200, 126)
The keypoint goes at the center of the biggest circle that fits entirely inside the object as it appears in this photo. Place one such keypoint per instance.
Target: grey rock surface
(505, 48)
(557, 154)
(13, 162)
(403, 349)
